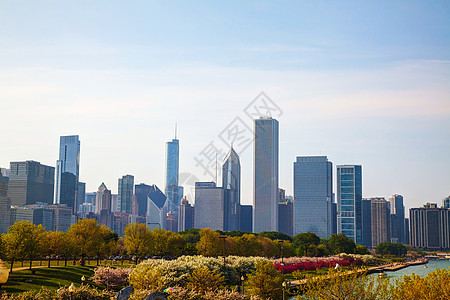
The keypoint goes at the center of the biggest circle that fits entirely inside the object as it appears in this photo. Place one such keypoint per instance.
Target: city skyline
(375, 94)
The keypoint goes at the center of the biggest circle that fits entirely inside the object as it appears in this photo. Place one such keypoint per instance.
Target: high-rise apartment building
(397, 212)
(67, 171)
(313, 192)
(430, 227)
(209, 206)
(265, 175)
(125, 200)
(103, 199)
(380, 218)
(30, 182)
(231, 183)
(349, 197)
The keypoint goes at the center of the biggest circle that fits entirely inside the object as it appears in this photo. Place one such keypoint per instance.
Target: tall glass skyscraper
(125, 197)
(231, 182)
(397, 216)
(349, 198)
(313, 190)
(67, 171)
(265, 174)
(174, 193)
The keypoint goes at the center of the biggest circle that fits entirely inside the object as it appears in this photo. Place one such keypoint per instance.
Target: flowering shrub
(158, 274)
(111, 277)
(84, 292)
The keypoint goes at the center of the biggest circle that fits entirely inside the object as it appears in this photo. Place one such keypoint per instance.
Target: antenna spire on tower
(175, 130)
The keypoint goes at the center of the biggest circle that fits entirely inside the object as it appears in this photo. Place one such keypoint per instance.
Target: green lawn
(50, 278)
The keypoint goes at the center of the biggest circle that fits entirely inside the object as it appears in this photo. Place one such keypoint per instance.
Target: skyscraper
(446, 202)
(209, 212)
(141, 191)
(349, 197)
(313, 191)
(397, 212)
(430, 227)
(5, 206)
(174, 193)
(103, 199)
(186, 213)
(380, 217)
(231, 183)
(265, 175)
(125, 200)
(285, 214)
(366, 212)
(67, 171)
(156, 208)
(30, 182)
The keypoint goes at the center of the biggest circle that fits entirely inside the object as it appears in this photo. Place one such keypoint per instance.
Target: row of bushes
(310, 266)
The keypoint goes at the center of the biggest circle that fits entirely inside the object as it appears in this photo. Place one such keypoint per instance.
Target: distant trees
(391, 249)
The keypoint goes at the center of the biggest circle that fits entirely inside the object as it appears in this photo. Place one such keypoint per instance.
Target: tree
(303, 242)
(23, 240)
(275, 235)
(53, 243)
(391, 249)
(360, 249)
(248, 245)
(84, 234)
(265, 281)
(137, 239)
(340, 243)
(202, 279)
(209, 244)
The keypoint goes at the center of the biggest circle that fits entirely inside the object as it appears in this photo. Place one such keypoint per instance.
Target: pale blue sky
(362, 82)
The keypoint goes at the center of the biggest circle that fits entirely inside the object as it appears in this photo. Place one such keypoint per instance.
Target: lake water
(420, 269)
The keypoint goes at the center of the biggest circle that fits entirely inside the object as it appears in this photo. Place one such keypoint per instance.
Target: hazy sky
(363, 83)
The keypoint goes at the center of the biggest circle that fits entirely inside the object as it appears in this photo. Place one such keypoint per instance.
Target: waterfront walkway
(377, 269)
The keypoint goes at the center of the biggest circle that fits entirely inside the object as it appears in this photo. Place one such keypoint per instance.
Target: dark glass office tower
(141, 191)
(30, 182)
(231, 182)
(125, 197)
(265, 174)
(67, 171)
(349, 198)
(313, 192)
(397, 212)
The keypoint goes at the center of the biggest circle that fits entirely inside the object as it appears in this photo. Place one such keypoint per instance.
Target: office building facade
(141, 192)
(209, 206)
(186, 214)
(380, 219)
(349, 198)
(125, 199)
(68, 171)
(246, 218)
(5, 206)
(398, 226)
(103, 199)
(366, 212)
(30, 182)
(313, 190)
(446, 202)
(174, 193)
(156, 208)
(231, 183)
(430, 227)
(265, 175)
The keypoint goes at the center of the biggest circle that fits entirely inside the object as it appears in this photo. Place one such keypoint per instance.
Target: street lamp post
(242, 282)
(282, 257)
(284, 286)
